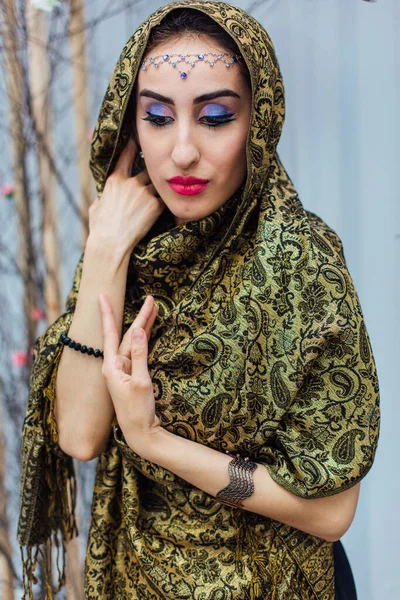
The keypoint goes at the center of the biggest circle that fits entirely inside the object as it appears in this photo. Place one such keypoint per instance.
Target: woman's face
(195, 127)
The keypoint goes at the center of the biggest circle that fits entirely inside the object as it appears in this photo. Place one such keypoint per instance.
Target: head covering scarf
(259, 348)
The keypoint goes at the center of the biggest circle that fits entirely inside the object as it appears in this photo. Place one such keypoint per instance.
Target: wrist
(113, 253)
(153, 445)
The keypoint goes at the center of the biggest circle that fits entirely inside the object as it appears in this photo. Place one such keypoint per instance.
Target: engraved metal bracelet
(241, 484)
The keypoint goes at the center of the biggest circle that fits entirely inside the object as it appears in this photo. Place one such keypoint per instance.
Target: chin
(184, 218)
(191, 215)
(189, 207)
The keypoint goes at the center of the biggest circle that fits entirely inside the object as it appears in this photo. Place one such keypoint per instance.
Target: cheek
(229, 156)
(140, 132)
(154, 153)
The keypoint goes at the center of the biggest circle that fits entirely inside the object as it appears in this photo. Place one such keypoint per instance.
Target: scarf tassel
(61, 508)
(32, 555)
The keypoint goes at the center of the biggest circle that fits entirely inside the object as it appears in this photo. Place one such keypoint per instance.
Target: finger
(154, 192)
(110, 333)
(126, 159)
(139, 350)
(143, 177)
(95, 203)
(140, 321)
(144, 313)
(150, 322)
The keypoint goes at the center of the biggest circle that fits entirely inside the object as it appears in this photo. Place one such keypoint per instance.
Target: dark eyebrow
(197, 100)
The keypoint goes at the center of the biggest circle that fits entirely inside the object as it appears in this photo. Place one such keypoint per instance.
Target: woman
(241, 333)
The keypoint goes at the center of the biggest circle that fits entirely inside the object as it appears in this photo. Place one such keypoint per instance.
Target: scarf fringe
(62, 505)
(30, 557)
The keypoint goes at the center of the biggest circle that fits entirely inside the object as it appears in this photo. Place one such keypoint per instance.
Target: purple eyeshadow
(215, 110)
(158, 109)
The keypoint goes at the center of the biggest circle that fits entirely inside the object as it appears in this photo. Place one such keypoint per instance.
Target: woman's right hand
(128, 207)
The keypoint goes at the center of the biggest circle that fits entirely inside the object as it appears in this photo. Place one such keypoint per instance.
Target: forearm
(83, 406)
(207, 469)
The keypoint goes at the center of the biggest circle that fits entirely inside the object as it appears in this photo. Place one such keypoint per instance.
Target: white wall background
(340, 61)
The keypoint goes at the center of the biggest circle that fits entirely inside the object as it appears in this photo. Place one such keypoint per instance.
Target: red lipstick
(187, 186)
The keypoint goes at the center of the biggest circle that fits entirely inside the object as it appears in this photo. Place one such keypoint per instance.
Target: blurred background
(341, 62)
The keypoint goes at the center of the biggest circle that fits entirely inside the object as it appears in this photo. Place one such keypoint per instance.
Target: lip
(187, 186)
(181, 180)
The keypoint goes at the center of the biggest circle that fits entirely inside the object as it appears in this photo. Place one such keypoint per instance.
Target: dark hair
(187, 21)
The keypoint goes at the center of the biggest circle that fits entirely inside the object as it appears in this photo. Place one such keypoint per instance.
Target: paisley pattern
(259, 347)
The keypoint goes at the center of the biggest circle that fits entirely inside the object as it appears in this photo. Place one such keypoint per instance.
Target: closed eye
(212, 122)
(157, 120)
(217, 121)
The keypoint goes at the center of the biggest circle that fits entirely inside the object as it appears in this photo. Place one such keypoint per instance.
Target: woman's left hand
(131, 393)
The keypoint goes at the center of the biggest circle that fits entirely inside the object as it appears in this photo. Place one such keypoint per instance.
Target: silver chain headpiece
(189, 59)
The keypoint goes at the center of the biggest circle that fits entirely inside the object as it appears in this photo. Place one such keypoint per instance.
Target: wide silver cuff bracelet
(241, 484)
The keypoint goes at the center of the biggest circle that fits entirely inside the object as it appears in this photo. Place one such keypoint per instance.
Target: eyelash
(216, 121)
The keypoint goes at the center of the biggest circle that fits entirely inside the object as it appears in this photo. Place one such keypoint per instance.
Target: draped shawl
(259, 348)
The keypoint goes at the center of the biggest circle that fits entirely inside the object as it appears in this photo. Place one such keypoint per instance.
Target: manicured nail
(137, 335)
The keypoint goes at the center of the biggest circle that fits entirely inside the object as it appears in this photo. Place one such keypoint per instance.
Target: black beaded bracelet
(64, 339)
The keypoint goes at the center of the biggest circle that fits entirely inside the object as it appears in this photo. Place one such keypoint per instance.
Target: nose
(185, 152)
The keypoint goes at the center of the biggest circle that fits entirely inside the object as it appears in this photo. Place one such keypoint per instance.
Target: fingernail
(137, 335)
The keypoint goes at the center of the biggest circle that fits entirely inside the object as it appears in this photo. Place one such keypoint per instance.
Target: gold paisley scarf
(260, 348)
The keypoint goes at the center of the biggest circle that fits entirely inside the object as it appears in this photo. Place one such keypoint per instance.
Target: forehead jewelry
(190, 60)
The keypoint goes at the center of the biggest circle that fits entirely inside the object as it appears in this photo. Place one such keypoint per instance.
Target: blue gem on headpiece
(156, 64)
(173, 64)
(192, 63)
(182, 57)
(144, 67)
(183, 75)
(235, 58)
(200, 56)
(166, 56)
(152, 60)
(228, 64)
(212, 63)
